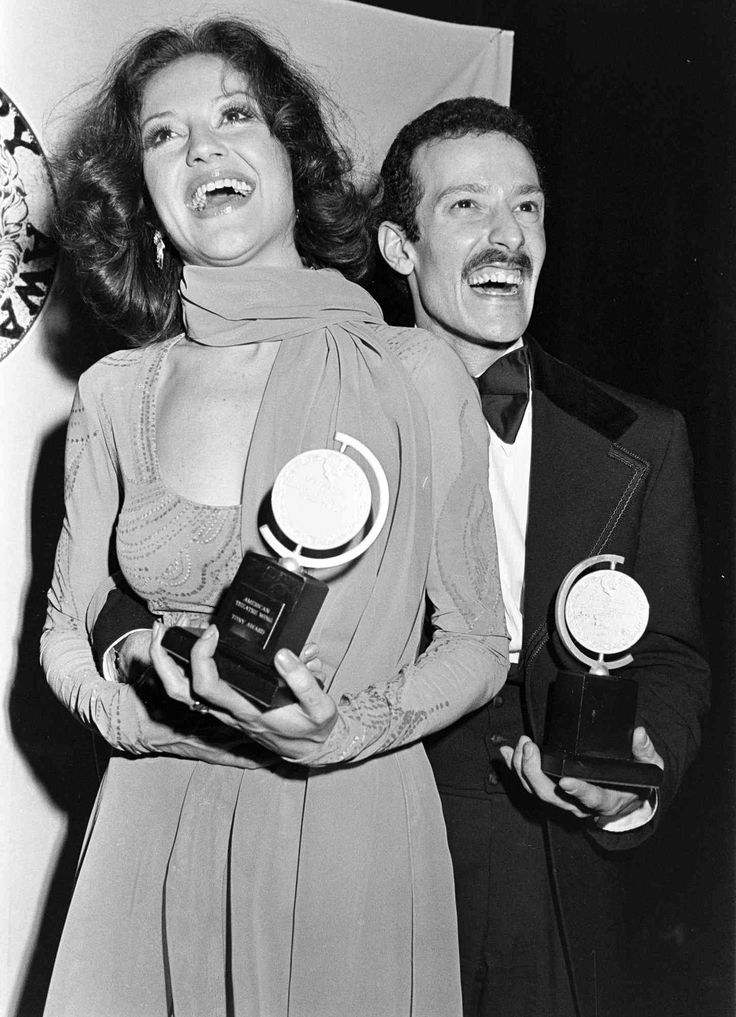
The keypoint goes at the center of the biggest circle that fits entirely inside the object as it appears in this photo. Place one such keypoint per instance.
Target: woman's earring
(158, 243)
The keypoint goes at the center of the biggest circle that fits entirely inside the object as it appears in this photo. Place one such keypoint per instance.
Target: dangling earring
(158, 243)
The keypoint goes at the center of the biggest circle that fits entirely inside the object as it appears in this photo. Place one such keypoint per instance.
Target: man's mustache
(482, 259)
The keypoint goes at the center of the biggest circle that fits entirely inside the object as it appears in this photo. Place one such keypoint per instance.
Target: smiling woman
(243, 862)
(108, 224)
(208, 153)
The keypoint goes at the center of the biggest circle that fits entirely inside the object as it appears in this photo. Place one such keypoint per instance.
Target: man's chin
(499, 343)
(498, 335)
(495, 329)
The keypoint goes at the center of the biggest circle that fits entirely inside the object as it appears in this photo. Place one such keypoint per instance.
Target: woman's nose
(204, 144)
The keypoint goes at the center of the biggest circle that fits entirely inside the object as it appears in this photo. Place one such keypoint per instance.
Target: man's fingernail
(210, 632)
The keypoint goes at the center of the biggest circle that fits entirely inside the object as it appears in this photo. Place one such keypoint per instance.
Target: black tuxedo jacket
(610, 474)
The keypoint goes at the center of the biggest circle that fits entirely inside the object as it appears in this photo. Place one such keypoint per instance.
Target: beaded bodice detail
(175, 553)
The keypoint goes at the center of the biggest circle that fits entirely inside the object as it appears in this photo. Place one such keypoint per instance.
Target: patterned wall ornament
(27, 253)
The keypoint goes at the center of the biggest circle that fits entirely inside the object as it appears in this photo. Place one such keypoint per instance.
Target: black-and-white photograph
(369, 485)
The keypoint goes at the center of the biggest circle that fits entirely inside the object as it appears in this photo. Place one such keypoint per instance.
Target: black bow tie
(504, 393)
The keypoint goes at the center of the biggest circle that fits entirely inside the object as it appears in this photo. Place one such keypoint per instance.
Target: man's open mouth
(494, 279)
(218, 194)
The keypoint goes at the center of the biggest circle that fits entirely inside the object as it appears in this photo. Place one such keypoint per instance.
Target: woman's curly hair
(106, 221)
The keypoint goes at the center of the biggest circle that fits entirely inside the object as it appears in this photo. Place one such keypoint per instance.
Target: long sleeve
(116, 711)
(669, 664)
(92, 500)
(467, 660)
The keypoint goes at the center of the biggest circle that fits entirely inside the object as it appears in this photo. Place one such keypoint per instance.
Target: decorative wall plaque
(27, 253)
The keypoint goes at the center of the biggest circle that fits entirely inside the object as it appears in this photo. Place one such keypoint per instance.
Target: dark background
(633, 103)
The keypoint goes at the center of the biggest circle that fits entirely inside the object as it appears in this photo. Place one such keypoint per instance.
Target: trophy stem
(292, 564)
(600, 667)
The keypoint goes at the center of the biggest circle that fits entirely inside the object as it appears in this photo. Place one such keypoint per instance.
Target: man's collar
(578, 395)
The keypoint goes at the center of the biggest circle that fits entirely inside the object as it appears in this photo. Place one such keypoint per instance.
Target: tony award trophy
(591, 715)
(320, 502)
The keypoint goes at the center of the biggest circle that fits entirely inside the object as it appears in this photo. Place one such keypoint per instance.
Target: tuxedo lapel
(578, 483)
(564, 488)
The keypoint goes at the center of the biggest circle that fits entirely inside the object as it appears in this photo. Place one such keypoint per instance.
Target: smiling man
(577, 469)
(477, 245)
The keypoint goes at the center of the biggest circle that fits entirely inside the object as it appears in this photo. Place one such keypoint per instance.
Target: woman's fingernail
(210, 632)
(285, 657)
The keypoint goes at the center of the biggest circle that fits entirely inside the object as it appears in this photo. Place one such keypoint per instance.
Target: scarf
(332, 373)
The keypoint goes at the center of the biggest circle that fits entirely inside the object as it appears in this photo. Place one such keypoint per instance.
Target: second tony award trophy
(320, 502)
(591, 715)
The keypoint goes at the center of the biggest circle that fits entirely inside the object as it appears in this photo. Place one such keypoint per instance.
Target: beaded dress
(218, 880)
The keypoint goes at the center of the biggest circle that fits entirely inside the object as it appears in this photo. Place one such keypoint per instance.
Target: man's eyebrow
(474, 188)
(460, 189)
(529, 189)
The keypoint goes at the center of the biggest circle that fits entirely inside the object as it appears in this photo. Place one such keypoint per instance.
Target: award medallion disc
(606, 611)
(321, 499)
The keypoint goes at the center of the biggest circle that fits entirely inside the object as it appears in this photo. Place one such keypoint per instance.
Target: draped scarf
(332, 373)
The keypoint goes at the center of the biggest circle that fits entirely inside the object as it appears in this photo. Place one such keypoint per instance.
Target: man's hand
(293, 731)
(133, 656)
(577, 796)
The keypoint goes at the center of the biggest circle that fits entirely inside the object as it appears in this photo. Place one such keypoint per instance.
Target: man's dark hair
(106, 220)
(454, 118)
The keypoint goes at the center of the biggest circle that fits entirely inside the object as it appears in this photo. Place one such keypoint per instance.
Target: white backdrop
(383, 68)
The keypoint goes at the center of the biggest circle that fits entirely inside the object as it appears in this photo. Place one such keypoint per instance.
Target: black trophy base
(267, 608)
(597, 770)
(265, 687)
(590, 724)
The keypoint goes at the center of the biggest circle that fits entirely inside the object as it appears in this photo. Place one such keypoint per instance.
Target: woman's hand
(292, 731)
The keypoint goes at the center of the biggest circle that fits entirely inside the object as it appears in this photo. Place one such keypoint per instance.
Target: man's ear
(395, 248)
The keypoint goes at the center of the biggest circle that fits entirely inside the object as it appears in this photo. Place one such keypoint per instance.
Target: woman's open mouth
(220, 195)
